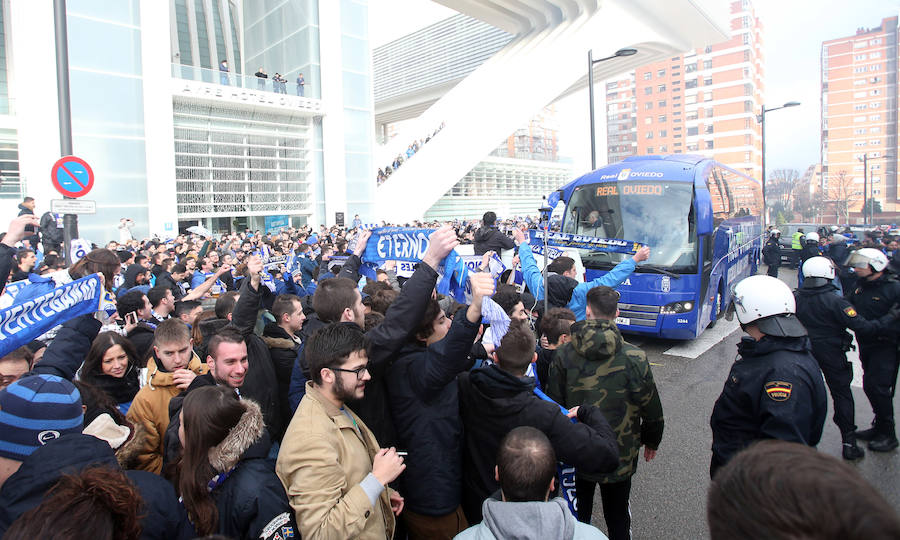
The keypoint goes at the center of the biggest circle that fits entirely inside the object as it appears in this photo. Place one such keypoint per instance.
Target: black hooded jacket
(493, 401)
(827, 315)
(163, 517)
(491, 239)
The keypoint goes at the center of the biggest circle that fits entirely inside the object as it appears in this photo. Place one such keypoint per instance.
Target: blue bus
(702, 221)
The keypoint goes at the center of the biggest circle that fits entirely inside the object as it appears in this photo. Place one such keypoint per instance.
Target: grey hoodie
(549, 520)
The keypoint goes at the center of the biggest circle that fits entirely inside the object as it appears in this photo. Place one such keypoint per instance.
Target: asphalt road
(668, 498)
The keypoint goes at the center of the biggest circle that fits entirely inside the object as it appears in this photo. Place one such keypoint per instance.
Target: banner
(580, 241)
(409, 244)
(21, 323)
(565, 473)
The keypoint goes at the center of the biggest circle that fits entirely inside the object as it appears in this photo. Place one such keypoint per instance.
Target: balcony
(205, 83)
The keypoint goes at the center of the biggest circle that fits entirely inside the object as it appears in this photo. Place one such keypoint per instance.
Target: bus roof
(673, 168)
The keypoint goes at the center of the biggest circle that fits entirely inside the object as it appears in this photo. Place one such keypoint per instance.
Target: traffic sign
(72, 206)
(72, 176)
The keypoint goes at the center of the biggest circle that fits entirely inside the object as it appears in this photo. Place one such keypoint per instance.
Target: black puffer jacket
(491, 239)
(163, 517)
(251, 501)
(424, 403)
(284, 352)
(493, 401)
(260, 383)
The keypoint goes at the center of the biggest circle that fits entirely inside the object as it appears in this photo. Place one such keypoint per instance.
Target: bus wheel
(718, 309)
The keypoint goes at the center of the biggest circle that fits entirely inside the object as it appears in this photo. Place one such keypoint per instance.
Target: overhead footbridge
(541, 57)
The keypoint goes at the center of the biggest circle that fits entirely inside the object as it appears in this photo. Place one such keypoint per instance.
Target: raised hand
(440, 243)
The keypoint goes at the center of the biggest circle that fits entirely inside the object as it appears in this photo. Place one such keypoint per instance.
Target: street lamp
(867, 199)
(591, 62)
(761, 118)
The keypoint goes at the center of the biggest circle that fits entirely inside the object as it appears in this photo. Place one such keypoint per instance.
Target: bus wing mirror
(729, 312)
(703, 212)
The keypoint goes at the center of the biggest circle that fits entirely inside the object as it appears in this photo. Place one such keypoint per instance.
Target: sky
(793, 32)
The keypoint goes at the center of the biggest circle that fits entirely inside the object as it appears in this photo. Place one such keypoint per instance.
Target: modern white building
(174, 140)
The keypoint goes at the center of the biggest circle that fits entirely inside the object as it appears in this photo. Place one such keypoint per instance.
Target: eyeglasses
(359, 371)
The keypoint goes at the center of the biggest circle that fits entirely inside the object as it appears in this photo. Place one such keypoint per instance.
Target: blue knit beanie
(34, 411)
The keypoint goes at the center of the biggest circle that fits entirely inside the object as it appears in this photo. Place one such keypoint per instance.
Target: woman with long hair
(224, 479)
(111, 365)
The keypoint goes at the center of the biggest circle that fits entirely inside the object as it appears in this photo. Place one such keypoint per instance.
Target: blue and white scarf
(564, 472)
(581, 241)
(21, 323)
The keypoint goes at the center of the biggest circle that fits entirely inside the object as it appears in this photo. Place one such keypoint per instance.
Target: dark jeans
(838, 375)
(773, 270)
(795, 258)
(879, 362)
(616, 509)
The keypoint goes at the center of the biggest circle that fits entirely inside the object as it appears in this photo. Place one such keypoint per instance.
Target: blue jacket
(535, 280)
(162, 515)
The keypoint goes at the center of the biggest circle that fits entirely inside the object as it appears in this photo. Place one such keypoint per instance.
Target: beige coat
(150, 409)
(322, 460)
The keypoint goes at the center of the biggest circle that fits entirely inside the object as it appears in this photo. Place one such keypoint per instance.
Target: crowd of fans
(410, 151)
(255, 385)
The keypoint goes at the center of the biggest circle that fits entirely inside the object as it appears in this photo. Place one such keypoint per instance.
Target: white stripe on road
(706, 340)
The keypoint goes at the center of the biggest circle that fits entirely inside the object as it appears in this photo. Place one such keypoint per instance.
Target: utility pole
(70, 221)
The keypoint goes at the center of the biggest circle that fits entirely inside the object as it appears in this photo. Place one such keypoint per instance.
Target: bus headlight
(677, 307)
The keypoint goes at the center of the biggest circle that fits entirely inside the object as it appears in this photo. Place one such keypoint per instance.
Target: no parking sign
(72, 176)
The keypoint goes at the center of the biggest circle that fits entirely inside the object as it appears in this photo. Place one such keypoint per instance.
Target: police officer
(775, 389)
(838, 253)
(796, 246)
(772, 253)
(877, 292)
(827, 316)
(810, 249)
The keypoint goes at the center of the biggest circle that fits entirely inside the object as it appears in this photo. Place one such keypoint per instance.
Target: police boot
(884, 442)
(867, 434)
(850, 450)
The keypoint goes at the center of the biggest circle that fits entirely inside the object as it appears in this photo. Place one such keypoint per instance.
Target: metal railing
(238, 80)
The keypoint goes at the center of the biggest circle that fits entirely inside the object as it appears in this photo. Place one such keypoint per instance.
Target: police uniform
(827, 316)
(772, 255)
(874, 299)
(774, 391)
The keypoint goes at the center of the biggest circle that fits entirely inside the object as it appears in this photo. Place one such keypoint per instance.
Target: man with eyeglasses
(332, 468)
(14, 365)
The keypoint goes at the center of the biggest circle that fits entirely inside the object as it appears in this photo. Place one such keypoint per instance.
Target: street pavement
(668, 498)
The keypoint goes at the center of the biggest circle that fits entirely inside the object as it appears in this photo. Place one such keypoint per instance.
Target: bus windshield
(657, 213)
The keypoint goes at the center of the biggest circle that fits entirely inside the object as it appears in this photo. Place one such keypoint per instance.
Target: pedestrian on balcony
(261, 77)
(301, 82)
(223, 72)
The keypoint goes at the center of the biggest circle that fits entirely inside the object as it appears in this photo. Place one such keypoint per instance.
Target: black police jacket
(873, 299)
(809, 251)
(774, 391)
(827, 315)
(772, 252)
(423, 395)
(493, 401)
(491, 239)
(162, 516)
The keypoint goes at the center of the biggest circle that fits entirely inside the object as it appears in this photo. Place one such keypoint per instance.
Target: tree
(872, 206)
(843, 192)
(780, 190)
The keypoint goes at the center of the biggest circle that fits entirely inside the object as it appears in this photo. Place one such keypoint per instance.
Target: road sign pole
(70, 221)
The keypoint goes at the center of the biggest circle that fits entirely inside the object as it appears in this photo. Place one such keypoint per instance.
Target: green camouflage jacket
(599, 368)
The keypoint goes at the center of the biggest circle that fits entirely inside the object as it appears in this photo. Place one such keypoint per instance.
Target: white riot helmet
(774, 232)
(812, 237)
(868, 257)
(818, 267)
(768, 303)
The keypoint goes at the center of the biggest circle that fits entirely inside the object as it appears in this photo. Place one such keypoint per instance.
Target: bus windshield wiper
(658, 270)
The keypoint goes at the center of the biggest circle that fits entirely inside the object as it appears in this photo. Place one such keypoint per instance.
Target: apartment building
(703, 102)
(859, 118)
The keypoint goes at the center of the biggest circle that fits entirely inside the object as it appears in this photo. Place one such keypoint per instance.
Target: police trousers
(838, 375)
(880, 363)
(616, 508)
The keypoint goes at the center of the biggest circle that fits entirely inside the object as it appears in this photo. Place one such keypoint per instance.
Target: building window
(707, 64)
(661, 118)
(859, 131)
(859, 44)
(707, 49)
(875, 92)
(690, 68)
(648, 135)
(690, 84)
(649, 149)
(661, 104)
(876, 41)
(860, 107)
(648, 105)
(872, 117)
(647, 75)
(875, 104)
(874, 67)
(648, 120)
(661, 88)
(662, 133)
(707, 81)
(746, 157)
(859, 69)
(693, 130)
(648, 90)
(875, 80)
(875, 142)
(875, 129)
(661, 73)
(709, 128)
(859, 82)
(859, 118)
(663, 149)
(876, 54)
(709, 96)
(690, 99)
(746, 38)
(692, 147)
(709, 145)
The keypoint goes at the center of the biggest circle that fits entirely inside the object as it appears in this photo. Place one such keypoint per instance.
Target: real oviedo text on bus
(702, 221)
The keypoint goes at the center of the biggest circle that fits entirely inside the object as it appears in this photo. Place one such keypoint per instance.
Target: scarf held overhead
(580, 241)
